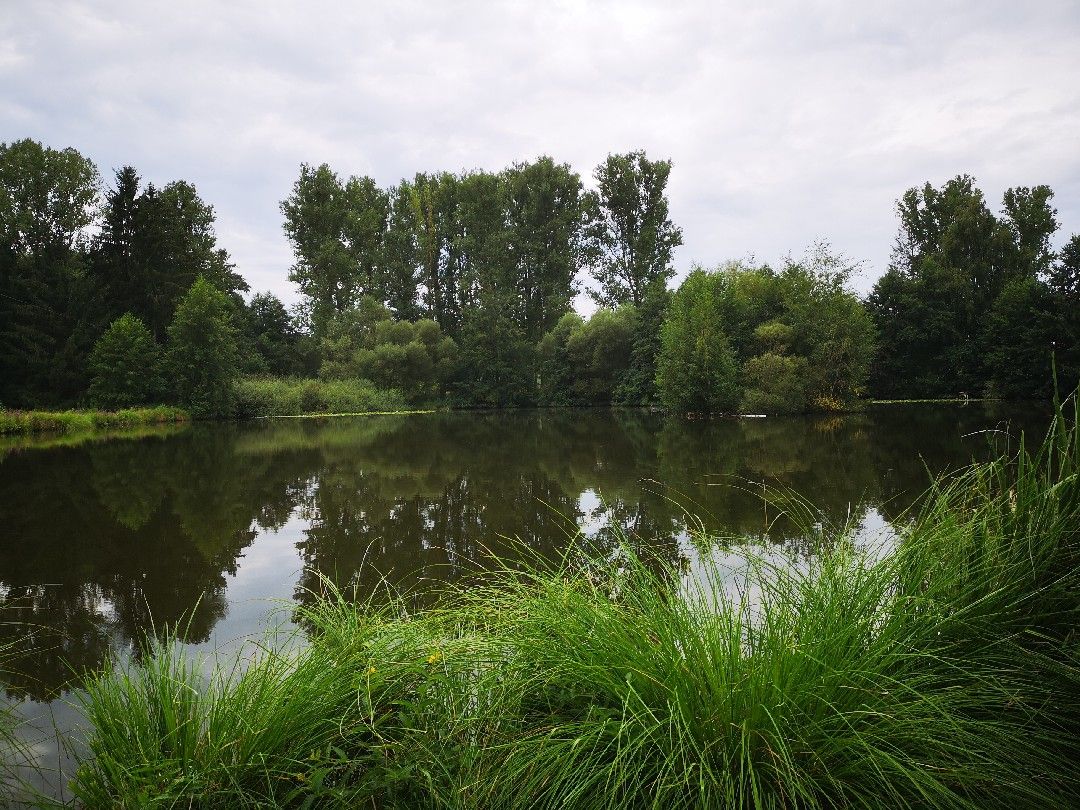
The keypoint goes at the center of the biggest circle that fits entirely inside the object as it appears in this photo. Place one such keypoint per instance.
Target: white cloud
(786, 121)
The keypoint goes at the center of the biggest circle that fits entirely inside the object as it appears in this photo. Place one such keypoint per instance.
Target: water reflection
(105, 541)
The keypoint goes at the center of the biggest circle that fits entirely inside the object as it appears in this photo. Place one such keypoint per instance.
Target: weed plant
(944, 673)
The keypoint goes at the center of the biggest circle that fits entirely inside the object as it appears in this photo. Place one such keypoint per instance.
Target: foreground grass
(944, 673)
(277, 396)
(24, 422)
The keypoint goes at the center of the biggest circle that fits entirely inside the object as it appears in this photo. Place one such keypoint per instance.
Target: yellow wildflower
(434, 657)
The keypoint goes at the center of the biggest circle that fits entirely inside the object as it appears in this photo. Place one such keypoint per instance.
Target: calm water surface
(216, 527)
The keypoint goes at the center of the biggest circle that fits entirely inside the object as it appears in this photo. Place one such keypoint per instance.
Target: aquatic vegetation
(941, 672)
(15, 422)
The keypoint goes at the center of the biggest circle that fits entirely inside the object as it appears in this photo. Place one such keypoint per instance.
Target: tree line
(459, 288)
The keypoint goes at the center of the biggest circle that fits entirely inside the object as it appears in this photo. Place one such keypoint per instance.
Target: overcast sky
(786, 121)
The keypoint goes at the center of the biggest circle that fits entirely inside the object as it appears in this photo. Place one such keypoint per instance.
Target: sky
(786, 122)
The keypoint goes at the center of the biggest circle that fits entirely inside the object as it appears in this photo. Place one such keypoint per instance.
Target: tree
(47, 318)
(273, 334)
(828, 326)
(202, 354)
(1020, 341)
(555, 367)
(953, 259)
(631, 237)
(497, 364)
(544, 216)
(336, 230)
(697, 370)
(1064, 282)
(152, 246)
(600, 352)
(125, 365)
(638, 384)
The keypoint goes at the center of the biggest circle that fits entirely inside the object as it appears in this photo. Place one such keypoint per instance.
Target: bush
(411, 356)
(275, 396)
(774, 384)
(125, 365)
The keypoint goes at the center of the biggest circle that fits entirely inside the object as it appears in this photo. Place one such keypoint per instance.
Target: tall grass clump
(942, 672)
(22, 422)
(291, 396)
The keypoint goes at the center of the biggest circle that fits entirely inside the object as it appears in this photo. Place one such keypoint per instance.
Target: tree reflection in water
(105, 542)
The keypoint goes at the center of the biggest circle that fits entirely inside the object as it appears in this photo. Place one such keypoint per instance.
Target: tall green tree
(125, 365)
(152, 246)
(952, 260)
(401, 255)
(496, 359)
(631, 235)
(638, 385)
(202, 359)
(697, 370)
(273, 335)
(544, 216)
(48, 320)
(336, 229)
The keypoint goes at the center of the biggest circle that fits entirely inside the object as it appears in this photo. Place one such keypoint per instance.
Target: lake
(218, 528)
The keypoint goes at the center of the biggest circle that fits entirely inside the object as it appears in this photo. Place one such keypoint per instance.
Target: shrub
(774, 384)
(274, 396)
(125, 365)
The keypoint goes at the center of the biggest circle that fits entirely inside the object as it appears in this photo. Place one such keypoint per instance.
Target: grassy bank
(277, 396)
(944, 672)
(24, 422)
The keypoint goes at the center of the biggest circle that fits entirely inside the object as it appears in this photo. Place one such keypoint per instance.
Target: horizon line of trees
(459, 288)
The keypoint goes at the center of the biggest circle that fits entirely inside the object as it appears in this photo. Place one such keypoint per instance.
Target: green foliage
(555, 367)
(954, 263)
(773, 383)
(291, 396)
(544, 211)
(153, 244)
(900, 677)
(273, 335)
(631, 238)
(336, 230)
(412, 357)
(801, 321)
(20, 422)
(1019, 339)
(496, 361)
(47, 321)
(638, 385)
(697, 370)
(125, 365)
(202, 359)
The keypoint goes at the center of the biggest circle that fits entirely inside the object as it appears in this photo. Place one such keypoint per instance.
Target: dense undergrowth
(276, 396)
(941, 672)
(17, 422)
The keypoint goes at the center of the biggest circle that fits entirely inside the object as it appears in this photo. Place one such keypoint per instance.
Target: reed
(67, 422)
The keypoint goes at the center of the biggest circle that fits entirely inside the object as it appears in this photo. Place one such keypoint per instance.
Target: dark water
(106, 541)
